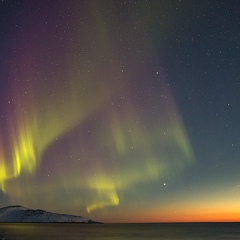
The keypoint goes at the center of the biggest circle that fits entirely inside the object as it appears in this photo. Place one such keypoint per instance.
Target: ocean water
(155, 231)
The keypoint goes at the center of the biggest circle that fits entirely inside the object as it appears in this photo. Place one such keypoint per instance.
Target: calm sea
(160, 231)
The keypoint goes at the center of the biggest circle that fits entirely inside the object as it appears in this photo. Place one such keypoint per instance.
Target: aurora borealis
(121, 111)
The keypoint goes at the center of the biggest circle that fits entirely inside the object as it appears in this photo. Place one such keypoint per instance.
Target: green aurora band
(79, 124)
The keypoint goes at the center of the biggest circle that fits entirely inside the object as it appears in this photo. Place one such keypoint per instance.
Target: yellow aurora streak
(137, 152)
(134, 150)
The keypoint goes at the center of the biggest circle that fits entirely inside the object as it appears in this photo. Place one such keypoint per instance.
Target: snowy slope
(22, 214)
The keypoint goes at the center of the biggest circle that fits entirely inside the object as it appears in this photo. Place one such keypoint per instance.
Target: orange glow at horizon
(223, 212)
(223, 207)
(198, 215)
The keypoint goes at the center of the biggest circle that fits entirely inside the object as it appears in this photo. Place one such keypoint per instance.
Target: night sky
(121, 111)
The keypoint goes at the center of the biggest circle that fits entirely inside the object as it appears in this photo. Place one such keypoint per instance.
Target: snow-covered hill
(21, 214)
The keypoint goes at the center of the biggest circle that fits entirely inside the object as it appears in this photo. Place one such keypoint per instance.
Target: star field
(121, 111)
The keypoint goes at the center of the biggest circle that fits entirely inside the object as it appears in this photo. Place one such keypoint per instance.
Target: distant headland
(20, 214)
